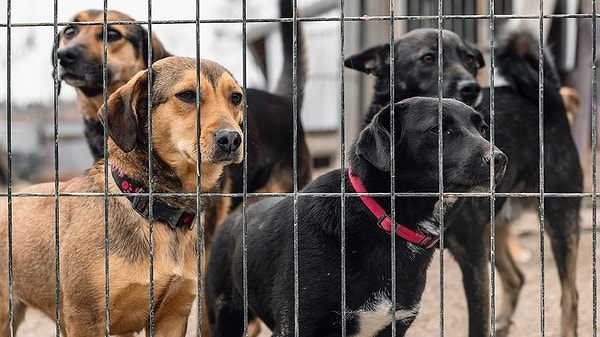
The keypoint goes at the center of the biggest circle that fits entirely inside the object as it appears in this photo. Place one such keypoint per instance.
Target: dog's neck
(164, 179)
(161, 211)
(384, 220)
(89, 100)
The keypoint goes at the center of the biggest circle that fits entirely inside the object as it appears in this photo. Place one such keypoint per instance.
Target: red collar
(385, 222)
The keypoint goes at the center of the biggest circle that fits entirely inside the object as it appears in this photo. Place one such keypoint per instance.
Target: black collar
(162, 211)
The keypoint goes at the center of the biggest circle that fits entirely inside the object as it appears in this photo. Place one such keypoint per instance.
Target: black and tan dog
(270, 119)
(467, 157)
(80, 63)
(81, 218)
(516, 123)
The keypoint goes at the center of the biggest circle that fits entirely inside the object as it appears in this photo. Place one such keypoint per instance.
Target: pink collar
(385, 222)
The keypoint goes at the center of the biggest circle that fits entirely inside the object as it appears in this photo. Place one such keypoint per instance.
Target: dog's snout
(499, 159)
(68, 56)
(228, 141)
(469, 89)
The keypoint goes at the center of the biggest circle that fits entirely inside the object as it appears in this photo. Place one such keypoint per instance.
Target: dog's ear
(158, 50)
(371, 61)
(123, 108)
(373, 143)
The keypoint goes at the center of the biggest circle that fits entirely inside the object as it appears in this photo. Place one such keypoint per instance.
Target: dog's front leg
(471, 255)
(169, 327)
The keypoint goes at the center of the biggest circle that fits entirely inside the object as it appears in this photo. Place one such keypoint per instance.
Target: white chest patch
(375, 315)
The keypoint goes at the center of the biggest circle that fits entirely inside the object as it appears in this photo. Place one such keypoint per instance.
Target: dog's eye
(236, 98)
(113, 35)
(70, 32)
(188, 96)
(483, 130)
(428, 58)
(436, 130)
(469, 59)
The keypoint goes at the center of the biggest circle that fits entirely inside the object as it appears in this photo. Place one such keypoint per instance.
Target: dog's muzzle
(469, 92)
(499, 160)
(228, 141)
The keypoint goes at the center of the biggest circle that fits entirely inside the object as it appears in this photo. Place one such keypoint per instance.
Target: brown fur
(81, 217)
(571, 100)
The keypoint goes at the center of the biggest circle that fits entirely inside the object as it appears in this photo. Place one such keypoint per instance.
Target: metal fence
(356, 25)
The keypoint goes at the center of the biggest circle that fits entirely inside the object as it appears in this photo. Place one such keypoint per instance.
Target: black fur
(416, 53)
(270, 239)
(516, 124)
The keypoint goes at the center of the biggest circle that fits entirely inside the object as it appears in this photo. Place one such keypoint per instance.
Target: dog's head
(175, 117)
(416, 67)
(467, 155)
(81, 51)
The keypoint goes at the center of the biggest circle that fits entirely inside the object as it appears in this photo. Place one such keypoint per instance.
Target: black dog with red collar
(277, 251)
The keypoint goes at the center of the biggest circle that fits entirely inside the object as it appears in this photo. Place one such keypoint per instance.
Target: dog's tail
(517, 62)
(285, 83)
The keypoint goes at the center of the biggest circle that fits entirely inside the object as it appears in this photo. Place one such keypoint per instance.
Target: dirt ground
(526, 321)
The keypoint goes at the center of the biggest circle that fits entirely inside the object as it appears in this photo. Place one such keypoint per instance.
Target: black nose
(499, 158)
(469, 90)
(68, 55)
(228, 141)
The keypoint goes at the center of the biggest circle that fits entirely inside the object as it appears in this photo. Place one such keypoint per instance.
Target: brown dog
(270, 156)
(80, 62)
(174, 154)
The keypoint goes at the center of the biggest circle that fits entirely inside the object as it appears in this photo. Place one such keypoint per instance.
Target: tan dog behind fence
(81, 217)
(80, 64)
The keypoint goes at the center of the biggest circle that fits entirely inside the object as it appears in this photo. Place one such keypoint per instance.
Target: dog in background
(80, 63)
(517, 134)
(81, 218)
(270, 253)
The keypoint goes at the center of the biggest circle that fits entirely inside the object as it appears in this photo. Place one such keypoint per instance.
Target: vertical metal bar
(343, 303)
(295, 132)
(245, 170)
(150, 174)
(57, 301)
(492, 317)
(541, 164)
(594, 122)
(440, 82)
(11, 330)
(199, 228)
(104, 126)
(392, 171)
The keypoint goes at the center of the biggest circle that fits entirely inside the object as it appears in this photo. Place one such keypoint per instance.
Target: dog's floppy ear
(123, 108)
(373, 143)
(158, 50)
(371, 61)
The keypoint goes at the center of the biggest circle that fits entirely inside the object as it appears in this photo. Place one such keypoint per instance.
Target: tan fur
(571, 100)
(81, 224)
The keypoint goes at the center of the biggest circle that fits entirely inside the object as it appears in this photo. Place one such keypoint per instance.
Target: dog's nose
(499, 158)
(469, 89)
(68, 56)
(228, 141)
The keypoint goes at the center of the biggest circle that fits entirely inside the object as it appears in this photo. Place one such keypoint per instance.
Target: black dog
(517, 134)
(416, 54)
(270, 241)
